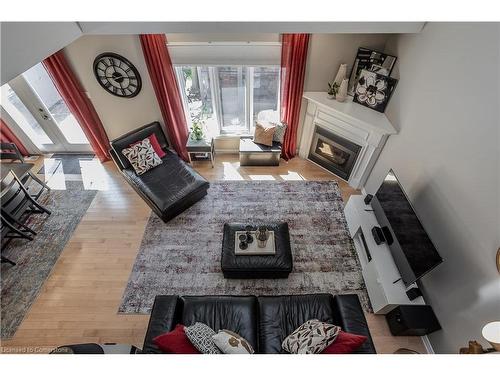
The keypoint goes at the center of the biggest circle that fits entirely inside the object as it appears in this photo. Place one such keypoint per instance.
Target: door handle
(44, 115)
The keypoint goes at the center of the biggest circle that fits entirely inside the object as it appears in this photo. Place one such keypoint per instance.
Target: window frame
(217, 99)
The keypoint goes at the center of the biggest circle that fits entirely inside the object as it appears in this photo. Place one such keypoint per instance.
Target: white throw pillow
(230, 342)
(142, 156)
(310, 338)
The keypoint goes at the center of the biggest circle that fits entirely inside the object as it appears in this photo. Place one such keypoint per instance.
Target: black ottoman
(276, 266)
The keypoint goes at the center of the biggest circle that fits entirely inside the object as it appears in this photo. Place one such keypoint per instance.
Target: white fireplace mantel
(352, 121)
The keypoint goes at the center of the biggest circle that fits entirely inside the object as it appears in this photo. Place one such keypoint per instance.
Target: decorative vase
(339, 78)
(342, 94)
(262, 234)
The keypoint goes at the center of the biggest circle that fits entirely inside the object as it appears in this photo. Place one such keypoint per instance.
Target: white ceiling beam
(251, 27)
(25, 44)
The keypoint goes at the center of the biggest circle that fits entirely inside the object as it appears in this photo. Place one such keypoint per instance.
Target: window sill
(230, 136)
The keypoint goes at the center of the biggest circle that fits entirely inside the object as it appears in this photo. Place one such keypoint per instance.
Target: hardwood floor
(79, 301)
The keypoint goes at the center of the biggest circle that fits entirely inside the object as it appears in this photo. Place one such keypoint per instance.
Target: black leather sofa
(169, 188)
(263, 321)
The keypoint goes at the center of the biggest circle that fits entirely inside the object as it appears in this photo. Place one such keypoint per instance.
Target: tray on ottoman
(253, 248)
(276, 266)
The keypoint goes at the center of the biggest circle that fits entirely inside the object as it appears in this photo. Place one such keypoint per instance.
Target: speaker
(378, 235)
(368, 199)
(412, 320)
(381, 235)
(413, 293)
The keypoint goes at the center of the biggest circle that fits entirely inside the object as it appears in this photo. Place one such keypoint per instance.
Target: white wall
(328, 51)
(118, 115)
(25, 44)
(447, 158)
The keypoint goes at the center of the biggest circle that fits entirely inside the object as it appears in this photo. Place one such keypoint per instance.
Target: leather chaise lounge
(171, 187)
(263, 321)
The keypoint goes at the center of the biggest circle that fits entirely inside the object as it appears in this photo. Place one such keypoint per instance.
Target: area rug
(35, 259)
(183, 256)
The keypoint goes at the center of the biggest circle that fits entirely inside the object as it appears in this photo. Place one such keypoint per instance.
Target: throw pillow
(279, 133)
(200, 336)
(142, 156)
(312, 337)
(264, 134)
(231, 343)
(175, 342)
(156, 145)
(345, 343)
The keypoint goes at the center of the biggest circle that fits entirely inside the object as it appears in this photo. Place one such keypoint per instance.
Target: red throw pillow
(175, 342)
(155, 144)
(345, 343)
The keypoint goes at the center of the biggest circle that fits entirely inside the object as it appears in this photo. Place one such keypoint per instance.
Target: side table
(202, 146)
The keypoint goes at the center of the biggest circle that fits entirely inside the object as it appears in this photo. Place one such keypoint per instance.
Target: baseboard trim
(428, 345)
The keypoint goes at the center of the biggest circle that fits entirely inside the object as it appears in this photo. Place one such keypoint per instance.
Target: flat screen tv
(412, 250)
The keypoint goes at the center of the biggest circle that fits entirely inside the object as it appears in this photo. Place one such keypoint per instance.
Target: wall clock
(117, 75)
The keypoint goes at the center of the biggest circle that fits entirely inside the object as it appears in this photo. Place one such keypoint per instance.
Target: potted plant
(333, 89)
(197, 131)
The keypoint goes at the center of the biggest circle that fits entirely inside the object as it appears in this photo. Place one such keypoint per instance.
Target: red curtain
(161, 72)
(7, 136)
(78, 103)
(293, 68)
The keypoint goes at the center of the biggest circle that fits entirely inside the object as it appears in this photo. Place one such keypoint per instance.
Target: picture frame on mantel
(370, 60)
(374, 90)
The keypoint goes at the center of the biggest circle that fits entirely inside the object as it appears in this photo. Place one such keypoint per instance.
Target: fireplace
(333, 152)
(344, 138)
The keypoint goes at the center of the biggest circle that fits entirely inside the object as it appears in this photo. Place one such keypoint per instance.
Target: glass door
(32, 100)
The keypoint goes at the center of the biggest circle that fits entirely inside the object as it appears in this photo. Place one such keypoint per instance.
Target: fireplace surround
(344, 138)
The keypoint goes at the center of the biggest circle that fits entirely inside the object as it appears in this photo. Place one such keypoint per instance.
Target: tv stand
(382, 278)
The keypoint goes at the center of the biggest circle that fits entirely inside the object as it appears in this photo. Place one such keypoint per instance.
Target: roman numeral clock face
(117, 75)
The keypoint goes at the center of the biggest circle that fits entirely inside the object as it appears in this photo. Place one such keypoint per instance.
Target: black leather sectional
(264, 321)
(169, 188)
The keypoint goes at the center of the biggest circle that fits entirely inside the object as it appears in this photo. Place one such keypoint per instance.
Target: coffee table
(275, 266)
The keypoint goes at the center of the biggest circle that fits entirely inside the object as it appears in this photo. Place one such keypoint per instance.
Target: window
(228, 99)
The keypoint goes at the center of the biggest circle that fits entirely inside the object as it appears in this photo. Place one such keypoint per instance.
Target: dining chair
(17, 205)
(9, 151)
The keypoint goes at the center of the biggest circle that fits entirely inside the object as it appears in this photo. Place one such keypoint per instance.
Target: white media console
(382, 278)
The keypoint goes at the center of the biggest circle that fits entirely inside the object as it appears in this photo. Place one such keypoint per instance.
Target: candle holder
(249, 230)
(243, 241)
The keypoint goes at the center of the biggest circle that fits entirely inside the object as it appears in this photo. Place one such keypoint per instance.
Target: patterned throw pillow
(279, 132)
(231, 343)
(310, 338)
(200, 336)
(142, 156)
(264, 133)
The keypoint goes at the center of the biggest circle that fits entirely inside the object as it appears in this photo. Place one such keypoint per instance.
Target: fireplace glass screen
(333, 152)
